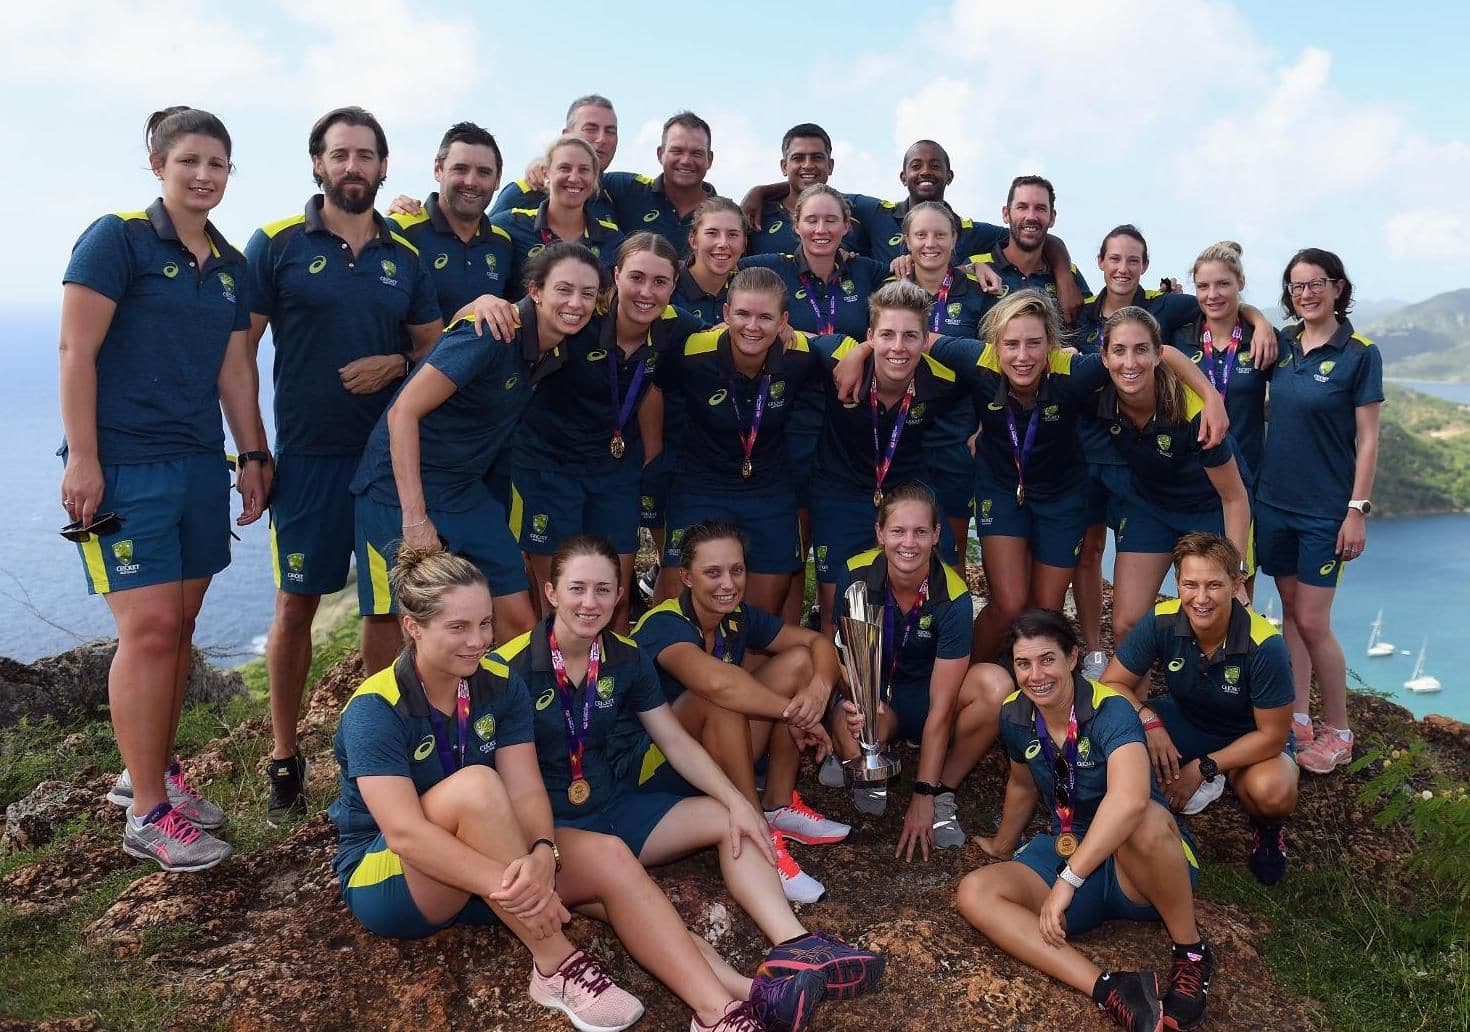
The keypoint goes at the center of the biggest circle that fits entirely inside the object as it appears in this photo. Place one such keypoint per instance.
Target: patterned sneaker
(787, 1003)
(1303, 733)
(830, 775)
(1131, 999)
(870, 798)
(1209, 790)
(799, 886)
(167, 838)
(647, 581)
(847, 971)
(288, 788)
(1093, 665)
(197, 810)
(947, 830)
(800, 823)
(738, 1017)
(1189, 984)
(583, 990)
(1268, 854)
(1328, 751)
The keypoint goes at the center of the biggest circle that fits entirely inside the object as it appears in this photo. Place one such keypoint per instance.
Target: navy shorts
(1190, 739)
(953, 479)
(312, 522)
(479, 535)
(653, 500)
(910, 704)
(1101, 897)
(802, 433)
(1289, 544)
(377, 894)
(1109, 486)
(558, 506)
(498, 479)
(1149, 528)
(1053, 527)
(844, 524)
(772, 535)
(174, 524)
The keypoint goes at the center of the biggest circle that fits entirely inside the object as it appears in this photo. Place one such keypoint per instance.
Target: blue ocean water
(1416, 570)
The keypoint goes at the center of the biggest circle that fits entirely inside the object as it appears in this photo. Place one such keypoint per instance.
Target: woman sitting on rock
(1227, 713)
(443, 818)
(1112, 849)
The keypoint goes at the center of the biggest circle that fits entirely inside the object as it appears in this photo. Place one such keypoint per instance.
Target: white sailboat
(1271, 617)
(1377, 647)
(1419, 681)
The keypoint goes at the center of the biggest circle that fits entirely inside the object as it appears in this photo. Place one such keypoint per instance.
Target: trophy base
(870, 767)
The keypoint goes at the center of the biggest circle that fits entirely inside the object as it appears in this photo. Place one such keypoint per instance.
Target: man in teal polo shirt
(665, 204)
(591, 117)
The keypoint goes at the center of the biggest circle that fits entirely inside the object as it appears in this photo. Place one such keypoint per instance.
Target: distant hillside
(1423, 455)
(1427, 341)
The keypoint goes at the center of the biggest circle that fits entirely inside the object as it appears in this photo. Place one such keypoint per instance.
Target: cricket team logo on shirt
(317, 264)
(539, 523)
(227, 286)
(425, 748)
(122, 551)
(390, 273)
(1232, 679)
(1164, 441)
(1324, 371)
(1176, 665)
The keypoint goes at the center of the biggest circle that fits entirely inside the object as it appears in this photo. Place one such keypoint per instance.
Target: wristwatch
(924, 788)
(1208, 768)
(555, 853)
(261, 457)
(1071, 877)
(1363, 505)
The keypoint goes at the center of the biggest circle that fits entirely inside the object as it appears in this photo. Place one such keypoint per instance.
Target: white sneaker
(830, 773)
(1093, 665)
(947, 830)
(799, 886)
(1207, 793)
(800, 823)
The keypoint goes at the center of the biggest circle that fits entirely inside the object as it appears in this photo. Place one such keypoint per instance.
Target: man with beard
(350, 306)
(1021, 260)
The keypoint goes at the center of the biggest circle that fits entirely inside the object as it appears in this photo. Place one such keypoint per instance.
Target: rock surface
(74, 684)
(33, 821)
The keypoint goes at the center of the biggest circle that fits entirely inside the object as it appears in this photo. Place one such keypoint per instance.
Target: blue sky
(1337, 125)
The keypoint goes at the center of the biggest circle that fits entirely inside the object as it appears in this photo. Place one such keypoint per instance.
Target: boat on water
(1419, 681)
(1377, 647)
(1270, 614)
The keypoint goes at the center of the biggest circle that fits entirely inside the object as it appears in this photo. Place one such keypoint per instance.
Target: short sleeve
(953, 635)
(261, 272)
(1115, 725)
(423, 306)
(1014, 740)
(1210, 458)
(657, 631)
(1140, 650)
(101, 260)
(1270, 673)
(1081, 281)
(761, 628)
(962, 354)
(513, 716)
(1088, 373)
(242, 297)
(462, 356)
(507, 198)
(646, 694)
(1176, 312)
(1368, 388)
(373, 739)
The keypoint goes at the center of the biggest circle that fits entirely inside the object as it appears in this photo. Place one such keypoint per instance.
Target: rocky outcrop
(74, 684)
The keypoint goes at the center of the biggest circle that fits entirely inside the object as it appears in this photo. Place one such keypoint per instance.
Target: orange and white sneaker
(1328, 751)
(1302, 732)
(583, 990)
(799, 886)
(800, 823)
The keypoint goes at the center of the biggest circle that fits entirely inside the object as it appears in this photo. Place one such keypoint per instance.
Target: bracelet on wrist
(420, 523)
(1152, 723)
(1071, 877)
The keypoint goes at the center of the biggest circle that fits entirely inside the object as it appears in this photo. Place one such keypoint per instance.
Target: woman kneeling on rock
(1112, 850)
(443, 818)
(598, 704)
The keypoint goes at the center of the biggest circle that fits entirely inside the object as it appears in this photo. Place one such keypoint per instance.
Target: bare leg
(513, 616)
(620, 614)
(1137, 577)
(977, 722)
(1007, 563)
(784, 674)
(193, 600)
(1267, 790)
(1004, 901)
(1311, 612)
(793, 609)
(142, 682)
(725, 735)
(767, 591)
(668, 585)
(736, 984)
(1301, 661)
(827, 599)
(1049, 585)
(382, 640)
(959, 526)
(1087, 586)
(1151, 867)
(287, 661)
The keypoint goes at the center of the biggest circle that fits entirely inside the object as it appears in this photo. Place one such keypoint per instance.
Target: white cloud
(1427, 234)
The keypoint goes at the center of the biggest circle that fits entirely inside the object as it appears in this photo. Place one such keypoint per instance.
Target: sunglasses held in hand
(102, 524)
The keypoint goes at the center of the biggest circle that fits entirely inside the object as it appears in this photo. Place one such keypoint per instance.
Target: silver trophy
(860, 644)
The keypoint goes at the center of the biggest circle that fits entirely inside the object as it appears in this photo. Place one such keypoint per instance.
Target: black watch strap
(924, 788)
(1208, 768)
(252, 456)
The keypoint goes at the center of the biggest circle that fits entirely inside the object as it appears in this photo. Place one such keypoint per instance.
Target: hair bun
(1231, 245)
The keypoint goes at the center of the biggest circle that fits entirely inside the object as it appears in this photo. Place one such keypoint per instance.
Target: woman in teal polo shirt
(153, 346)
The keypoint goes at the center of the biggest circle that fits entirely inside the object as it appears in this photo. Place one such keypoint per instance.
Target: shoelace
(798, 805)
(173, 825)
(587, 971)
(742, 1019)
(1186, 976)
(785, 862)
(181, 783)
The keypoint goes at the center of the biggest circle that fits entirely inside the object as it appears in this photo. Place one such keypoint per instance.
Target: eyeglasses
(1315, 286)
(102, 524)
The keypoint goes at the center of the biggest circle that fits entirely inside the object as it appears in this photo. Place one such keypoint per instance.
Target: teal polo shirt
(518, 194)
(958, 315)
(460, 440)
(1245, 391)
(641, 204)
(882, 224)
(1311, 446)
(943, 626)
(1105, 722)
(386, 731)
(777, 234)
(673, 623)
(626, 686)
(1012, 278)
(158, 366)
(836, 305)
(1166, 460)
(1218, 694)
(328, 307)
(1054, 467)
(690, 297)
(461, 271)
(529, 233)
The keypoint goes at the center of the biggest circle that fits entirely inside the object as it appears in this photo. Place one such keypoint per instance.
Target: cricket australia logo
(122, 551)
(296, 567)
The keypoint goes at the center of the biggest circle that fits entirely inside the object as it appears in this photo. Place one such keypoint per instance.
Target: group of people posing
(483, 405)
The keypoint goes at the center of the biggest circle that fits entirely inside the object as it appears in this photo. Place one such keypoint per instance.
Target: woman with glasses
(1314, 486)
(1112, 851)
(153, 345)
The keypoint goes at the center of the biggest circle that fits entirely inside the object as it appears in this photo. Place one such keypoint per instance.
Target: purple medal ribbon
(1043, 736)
(624, 408)
(576, 737)
(1207, 343)
(890, 620)
(883, 458)
(830, 326)
(449, 762)
(1021, 450)
(748, 435)
(940, 299)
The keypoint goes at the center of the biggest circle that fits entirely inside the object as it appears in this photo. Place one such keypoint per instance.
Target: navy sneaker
(787, 1004)
(846, 971)
(1268, 854)
(1189, 985)
(1131, 999)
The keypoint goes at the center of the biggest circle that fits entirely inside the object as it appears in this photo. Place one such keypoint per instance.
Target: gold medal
(746, 468)
(1066, 844)
(1020, 495)
(617, 447)
(878, 498)
(578, 792)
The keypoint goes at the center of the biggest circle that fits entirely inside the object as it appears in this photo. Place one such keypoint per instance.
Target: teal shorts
(1101, 897)
(479, 535)
(1290, 544)
(312, 522)
(376, 892)
(772, 535)
(637, 807)
(1193, 741)
(1052, 527)
(844, 524)
(558, 506)
(174, 524)
(1109, 486)
(1148, 528)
